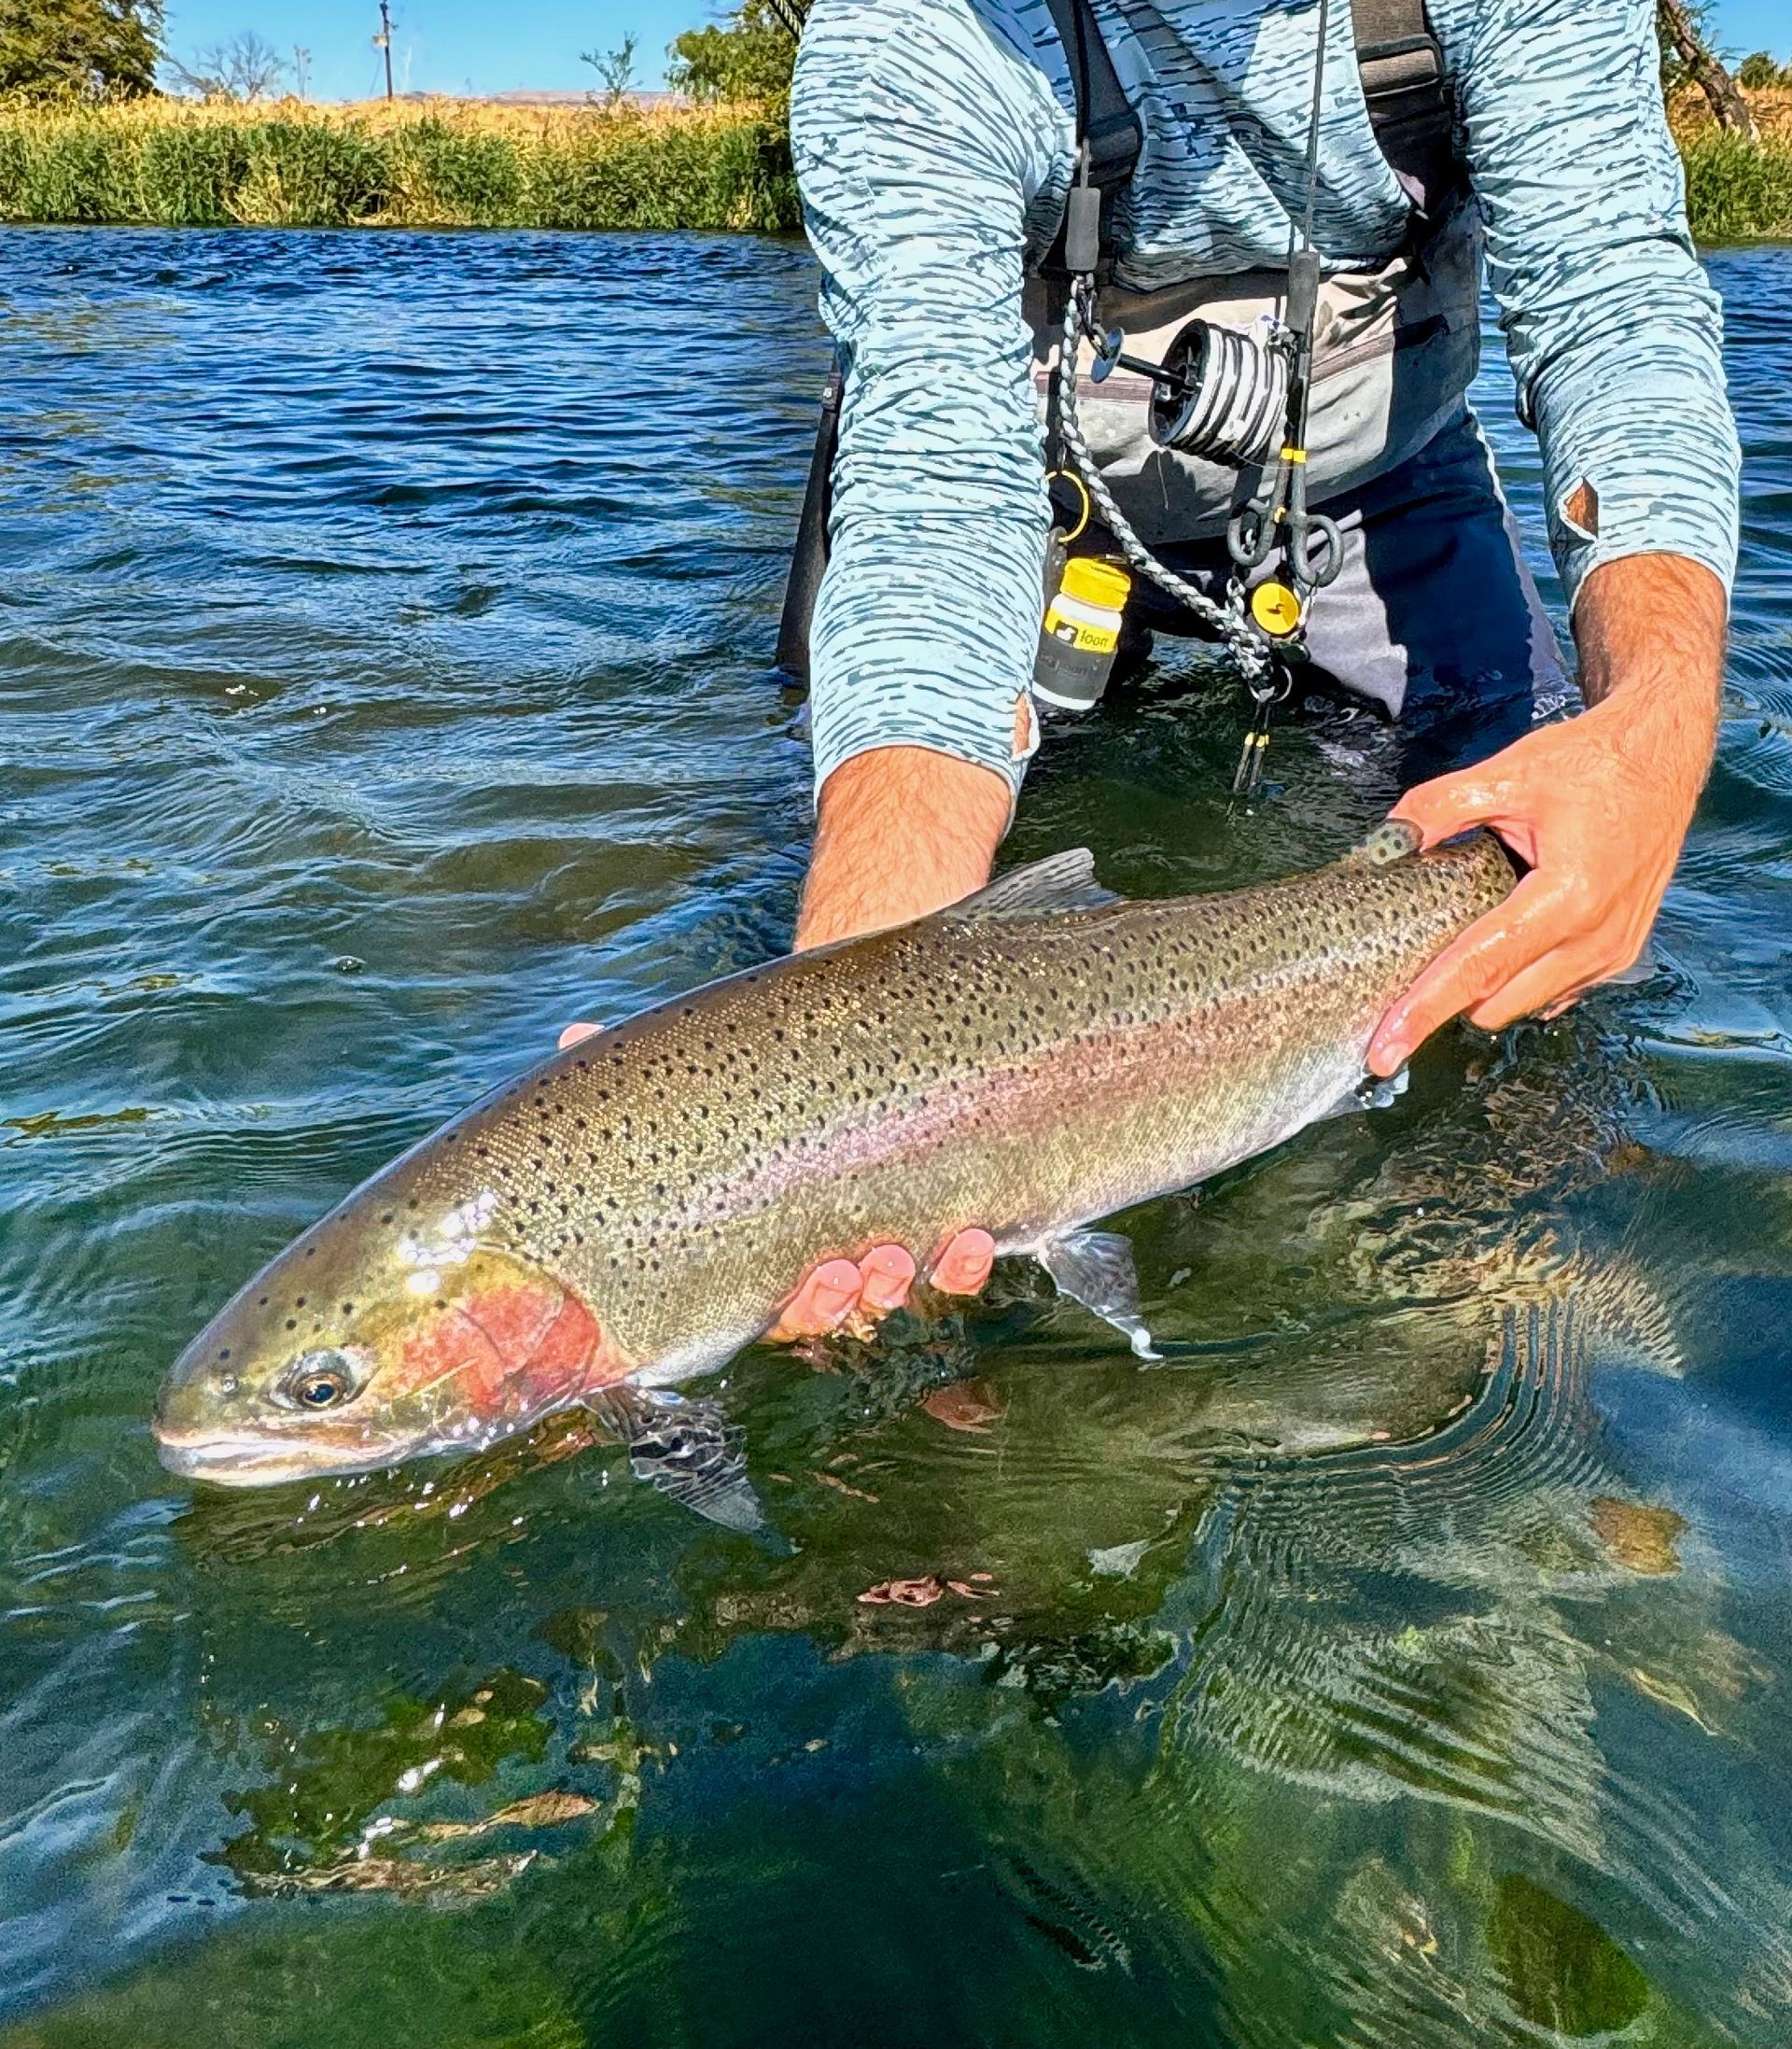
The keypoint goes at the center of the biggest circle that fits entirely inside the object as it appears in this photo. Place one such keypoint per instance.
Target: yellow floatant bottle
(1080, 636)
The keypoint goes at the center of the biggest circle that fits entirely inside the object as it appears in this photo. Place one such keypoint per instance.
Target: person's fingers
(1544, 989)
(1470, 970)
(1449, 804)
(964, 1266)
(573, 1034)
(838, 1290)
(884, 1277)
(1482, 796)
(826, 1298)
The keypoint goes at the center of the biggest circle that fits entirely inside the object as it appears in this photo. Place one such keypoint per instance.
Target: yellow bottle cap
(1276, 609)
(1096, 582)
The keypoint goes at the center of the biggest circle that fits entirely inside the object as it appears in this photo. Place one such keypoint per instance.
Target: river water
(383, 640)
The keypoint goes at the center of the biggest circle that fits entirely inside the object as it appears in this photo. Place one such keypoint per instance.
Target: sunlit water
(384, 630)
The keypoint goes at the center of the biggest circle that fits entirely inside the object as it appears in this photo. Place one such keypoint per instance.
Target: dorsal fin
(1062, 882)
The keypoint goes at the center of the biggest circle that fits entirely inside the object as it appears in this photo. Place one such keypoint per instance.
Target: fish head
(392, 1329)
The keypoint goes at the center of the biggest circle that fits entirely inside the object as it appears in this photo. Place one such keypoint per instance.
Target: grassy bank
(439, 164)
(456, 163)
(1737, 192)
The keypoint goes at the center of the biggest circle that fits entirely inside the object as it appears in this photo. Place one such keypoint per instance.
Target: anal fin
(1096, 1268)
(1372, 1092)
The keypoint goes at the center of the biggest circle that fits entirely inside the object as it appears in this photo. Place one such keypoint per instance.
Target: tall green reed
(173, 165)
(202, 167)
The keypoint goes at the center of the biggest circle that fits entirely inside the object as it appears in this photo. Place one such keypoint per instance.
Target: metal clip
(1265, 696)
(1248, 773)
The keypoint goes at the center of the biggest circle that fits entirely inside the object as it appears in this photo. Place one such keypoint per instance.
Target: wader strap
(1105, 122)
(1402, 69)
(810, 555)
(1407, 95)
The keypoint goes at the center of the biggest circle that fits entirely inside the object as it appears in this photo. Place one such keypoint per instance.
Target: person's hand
(842, 1291)
(1598, 806)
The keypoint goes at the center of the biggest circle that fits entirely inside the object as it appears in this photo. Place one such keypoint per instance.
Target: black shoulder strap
(1402, 68)
(1404, 84)
(1105, 122)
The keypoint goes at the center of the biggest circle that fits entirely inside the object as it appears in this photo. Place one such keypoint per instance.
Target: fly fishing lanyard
(1222, 393)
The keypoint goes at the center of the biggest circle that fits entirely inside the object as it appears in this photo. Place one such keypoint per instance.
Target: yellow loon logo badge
(1276, 609)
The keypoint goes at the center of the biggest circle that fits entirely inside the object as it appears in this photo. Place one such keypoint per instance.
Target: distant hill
(528, 96)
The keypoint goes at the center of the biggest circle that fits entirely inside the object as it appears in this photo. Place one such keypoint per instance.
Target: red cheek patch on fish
(514, 1349)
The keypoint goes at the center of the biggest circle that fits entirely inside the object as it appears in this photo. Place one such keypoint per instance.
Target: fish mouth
(243, 1460)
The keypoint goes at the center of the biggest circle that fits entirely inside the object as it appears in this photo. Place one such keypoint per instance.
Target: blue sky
(459, 46)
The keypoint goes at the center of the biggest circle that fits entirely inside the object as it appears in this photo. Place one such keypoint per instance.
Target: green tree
(1763, 70)
(246, 67)
(79, 46)
(746, 57)
(615, 67)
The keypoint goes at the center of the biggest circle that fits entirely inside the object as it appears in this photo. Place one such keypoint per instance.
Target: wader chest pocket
(1394, 352)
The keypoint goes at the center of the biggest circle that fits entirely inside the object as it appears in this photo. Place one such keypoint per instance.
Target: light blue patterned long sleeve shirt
(935, 140)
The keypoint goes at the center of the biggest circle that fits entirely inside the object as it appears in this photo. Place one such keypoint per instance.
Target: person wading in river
(936, 142)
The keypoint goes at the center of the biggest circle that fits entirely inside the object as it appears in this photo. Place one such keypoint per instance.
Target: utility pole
(302, 67)
(383, 41)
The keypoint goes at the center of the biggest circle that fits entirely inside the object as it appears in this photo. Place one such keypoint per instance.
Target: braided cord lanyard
(1264, 677)
(1228, 621)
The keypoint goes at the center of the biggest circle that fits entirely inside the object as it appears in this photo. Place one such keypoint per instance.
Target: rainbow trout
(635, 1209)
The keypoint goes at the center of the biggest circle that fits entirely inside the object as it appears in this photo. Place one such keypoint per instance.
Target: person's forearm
(900, 831)
(1650, 633)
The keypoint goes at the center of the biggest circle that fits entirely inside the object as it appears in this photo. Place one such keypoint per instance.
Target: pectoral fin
(687, 1449)
(1096, 1268)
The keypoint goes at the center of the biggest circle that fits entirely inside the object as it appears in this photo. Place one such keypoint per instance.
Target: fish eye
(319, 1380)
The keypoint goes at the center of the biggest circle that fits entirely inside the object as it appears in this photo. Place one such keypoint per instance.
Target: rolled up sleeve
(929, 145)
(1613, 335)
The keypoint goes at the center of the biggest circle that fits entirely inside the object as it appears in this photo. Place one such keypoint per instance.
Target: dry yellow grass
(1689, 113)
(448, 161)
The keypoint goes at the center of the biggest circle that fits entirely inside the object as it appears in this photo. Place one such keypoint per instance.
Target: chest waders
(1192, 413)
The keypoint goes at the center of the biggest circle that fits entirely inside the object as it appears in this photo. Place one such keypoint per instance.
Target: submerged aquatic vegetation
(170, 163)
